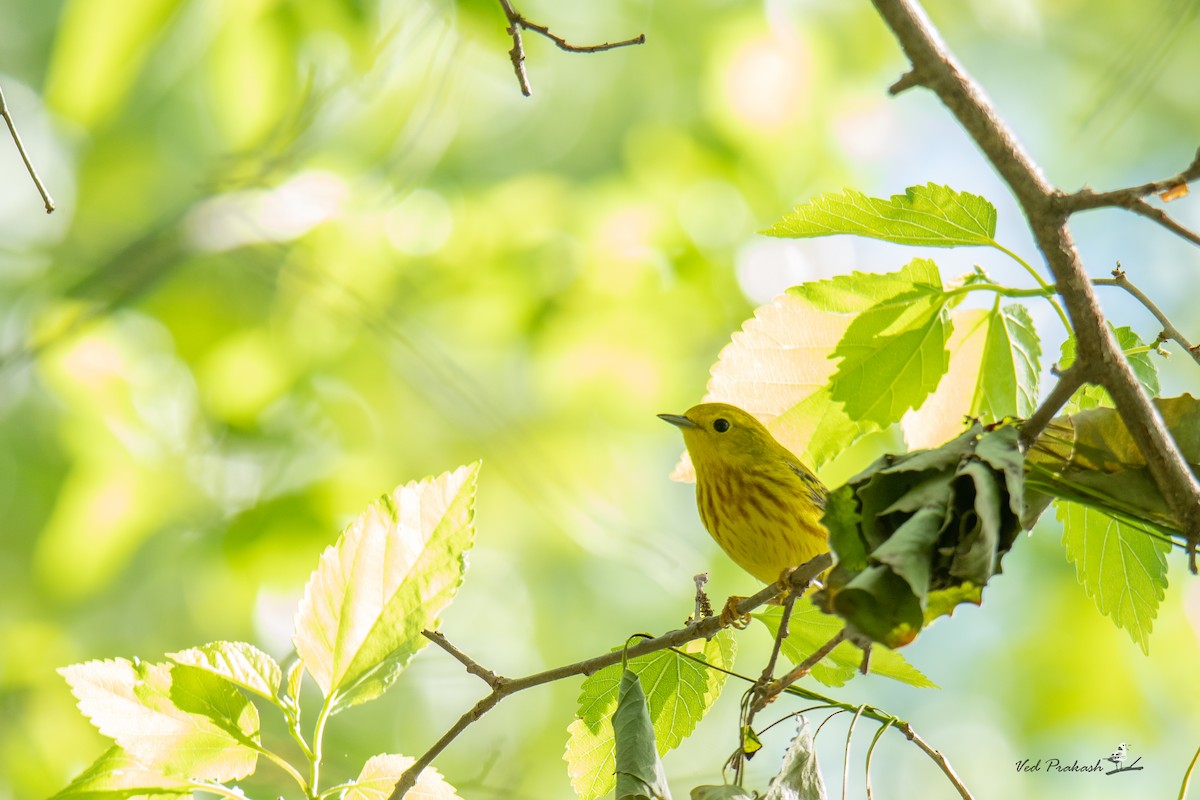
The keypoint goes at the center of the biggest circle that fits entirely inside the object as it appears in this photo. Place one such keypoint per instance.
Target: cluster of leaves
(190, 724)
(830, 361)
(918, 534)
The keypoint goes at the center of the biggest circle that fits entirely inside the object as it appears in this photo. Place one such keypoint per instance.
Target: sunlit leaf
(639, 772)
(810, 628)
(930, 215)
(388, 577)
(1144, 369)
(1089, 457)
(800, 776)
(894, 354)
(944, 413)
(1121, 565)
(680, 693)
(380, 774)
(139, 706)
(117, 775)
(778, 367)
(240, 663)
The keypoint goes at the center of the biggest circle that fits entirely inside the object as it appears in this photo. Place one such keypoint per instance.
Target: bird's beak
(678, 420)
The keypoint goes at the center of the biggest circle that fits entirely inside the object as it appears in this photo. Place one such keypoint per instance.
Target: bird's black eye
(721, 425)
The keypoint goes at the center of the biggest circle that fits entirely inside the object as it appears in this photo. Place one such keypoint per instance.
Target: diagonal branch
(517, 23)
(934, 67)
(503, 687)
(16, 137)
(1087, 198)
(1169, 331)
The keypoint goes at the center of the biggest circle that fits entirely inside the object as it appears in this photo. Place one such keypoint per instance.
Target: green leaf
(810, 628)
(894, 353)
(385, 580)
(993, 374)
(117, 775)
(722, 792)
(916, 534)
(778, 367)
(380, 774)
(680, 692)
(242, 664)
(639, 772)
(800, 777)
(1089, 457)
(929, 216)
(135, 704)
(1008, 384)
(1143, 366)
(1122, 567)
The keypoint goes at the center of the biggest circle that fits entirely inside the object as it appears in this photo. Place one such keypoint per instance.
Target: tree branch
(1068, 383)
(517, 22)
(16, 137)
(703, 629)
(1169, 331)
(1047, 214)
(1086, 198)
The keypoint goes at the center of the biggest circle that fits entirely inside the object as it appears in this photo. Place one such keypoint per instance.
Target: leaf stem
(1062, 315)
(283, 764)
(1046, 290)
(218, 789)
(1187, 776)
(315, 759)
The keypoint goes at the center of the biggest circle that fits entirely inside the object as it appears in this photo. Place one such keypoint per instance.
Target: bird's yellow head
(754, 496)
(721, 433)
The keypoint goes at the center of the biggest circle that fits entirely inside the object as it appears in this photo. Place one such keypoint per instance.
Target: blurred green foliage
(306, 251)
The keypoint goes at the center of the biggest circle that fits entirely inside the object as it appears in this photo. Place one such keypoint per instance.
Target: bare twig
(1133, 199)
(486, 675)
(1068, 383)
(1169, 331)
(16, 137)
(938, 759)
(702, 629)
(1121, 198)
(1047, 212)
(517, 22)
(799, 671)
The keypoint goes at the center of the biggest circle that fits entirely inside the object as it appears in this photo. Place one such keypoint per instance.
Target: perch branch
(1047, 214)
(1169, 331)
(517, 23)
(702, 629)
(16, 137)
(1068, 383)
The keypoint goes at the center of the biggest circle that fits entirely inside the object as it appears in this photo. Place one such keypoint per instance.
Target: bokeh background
(308, 250)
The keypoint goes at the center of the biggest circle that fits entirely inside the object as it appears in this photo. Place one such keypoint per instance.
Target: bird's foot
(730, 615)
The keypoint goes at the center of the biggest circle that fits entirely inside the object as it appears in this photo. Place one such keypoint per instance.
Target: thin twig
(938, 759)
(703, 629)
(1047, 210)
(486, 675)
(16, 137)
(517, 22)
(1068, 383)
(1169, 331)
(1086, 199)
(799, 671)
(1133, 199)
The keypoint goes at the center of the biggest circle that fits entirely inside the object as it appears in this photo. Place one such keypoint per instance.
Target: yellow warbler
(755, 497)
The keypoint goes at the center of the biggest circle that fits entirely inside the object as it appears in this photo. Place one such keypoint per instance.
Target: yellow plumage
(755, 497)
